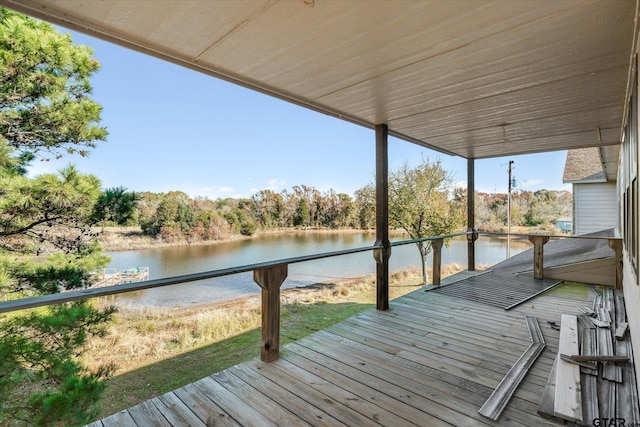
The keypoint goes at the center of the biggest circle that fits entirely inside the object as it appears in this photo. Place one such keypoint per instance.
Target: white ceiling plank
(456, 76)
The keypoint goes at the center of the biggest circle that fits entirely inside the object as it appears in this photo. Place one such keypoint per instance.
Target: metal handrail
(551, 236)
(271, 274)
(82, 294)
(430, 238)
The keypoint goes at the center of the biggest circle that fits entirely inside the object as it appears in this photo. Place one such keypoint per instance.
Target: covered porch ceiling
(475, 79)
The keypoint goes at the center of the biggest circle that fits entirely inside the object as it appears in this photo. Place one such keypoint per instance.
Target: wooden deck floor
(497, 288)
(431, 360)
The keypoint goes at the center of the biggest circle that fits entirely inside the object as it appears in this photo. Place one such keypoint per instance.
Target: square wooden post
(436, 245)
(538, 255)
(270, 279)
(616, 245)
(382, 218)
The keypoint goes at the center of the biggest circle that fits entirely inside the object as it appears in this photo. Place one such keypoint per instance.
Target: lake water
(175, 261)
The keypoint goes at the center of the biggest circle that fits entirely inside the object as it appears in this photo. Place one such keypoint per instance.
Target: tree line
(175, 216)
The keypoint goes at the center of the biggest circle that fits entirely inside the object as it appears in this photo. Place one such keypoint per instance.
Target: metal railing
(268, 275)
(82, 294)
(271, 274)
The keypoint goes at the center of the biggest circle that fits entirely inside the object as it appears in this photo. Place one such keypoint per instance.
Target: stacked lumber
(593, 375)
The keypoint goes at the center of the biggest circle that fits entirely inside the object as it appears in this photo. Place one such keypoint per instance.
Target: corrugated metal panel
(475, 78)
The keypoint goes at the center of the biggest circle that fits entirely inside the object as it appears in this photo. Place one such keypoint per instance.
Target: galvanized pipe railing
(436, 246)
(82, 294)
(268, 275)
(271, 274)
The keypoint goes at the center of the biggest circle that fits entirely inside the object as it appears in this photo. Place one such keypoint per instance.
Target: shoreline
(118, 239)
(303, 294)
(250, 301)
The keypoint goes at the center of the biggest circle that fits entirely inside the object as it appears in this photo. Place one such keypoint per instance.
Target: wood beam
(538, 255)
(568, 400)
(270, 279)
(382, 217)
(616, 245)
(436, 245)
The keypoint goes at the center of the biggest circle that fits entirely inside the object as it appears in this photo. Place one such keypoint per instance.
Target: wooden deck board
(418, 384)
(176, 412)
(354, 399)
(416, 360)
(343, 377)
(203, 407)
(490, 288)
(432, 359)
(147, 414)
(266, 383)
(568, 403)
(240, 410)
(320, 394)
(262, 402)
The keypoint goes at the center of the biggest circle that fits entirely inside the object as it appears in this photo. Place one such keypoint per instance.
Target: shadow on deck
(431, 360)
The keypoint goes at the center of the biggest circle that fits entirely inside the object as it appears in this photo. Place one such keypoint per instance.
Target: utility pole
(509, 210)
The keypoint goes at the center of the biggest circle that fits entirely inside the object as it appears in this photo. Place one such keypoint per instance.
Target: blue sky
(171, 128)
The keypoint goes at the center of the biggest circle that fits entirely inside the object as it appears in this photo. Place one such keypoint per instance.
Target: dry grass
(124, 238)
(142, 336)
(157, 350)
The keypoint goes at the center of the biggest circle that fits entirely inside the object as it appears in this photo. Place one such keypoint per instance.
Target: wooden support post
(471, 215)
(436, 245)
(382, 218)
(538, 255)
(616, 245)
(270, 279)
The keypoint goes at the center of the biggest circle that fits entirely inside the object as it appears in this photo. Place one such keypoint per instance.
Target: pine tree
(46, 111)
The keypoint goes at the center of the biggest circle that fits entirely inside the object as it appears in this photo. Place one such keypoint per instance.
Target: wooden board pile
(593, 376)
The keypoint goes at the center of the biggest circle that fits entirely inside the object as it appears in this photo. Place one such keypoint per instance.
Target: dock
(112, 276)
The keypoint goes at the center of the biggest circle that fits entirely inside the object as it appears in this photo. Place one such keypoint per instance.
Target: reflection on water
(168, 262)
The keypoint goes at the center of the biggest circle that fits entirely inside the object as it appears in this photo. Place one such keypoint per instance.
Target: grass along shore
(115, 239)
(156, 350)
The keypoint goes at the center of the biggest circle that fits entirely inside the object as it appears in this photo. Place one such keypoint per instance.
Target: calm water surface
(167, 262)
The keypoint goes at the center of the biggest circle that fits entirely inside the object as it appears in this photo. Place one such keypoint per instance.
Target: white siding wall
(595, 207)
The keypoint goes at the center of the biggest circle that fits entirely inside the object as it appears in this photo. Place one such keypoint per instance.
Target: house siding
(595, 207)
(627, 201)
